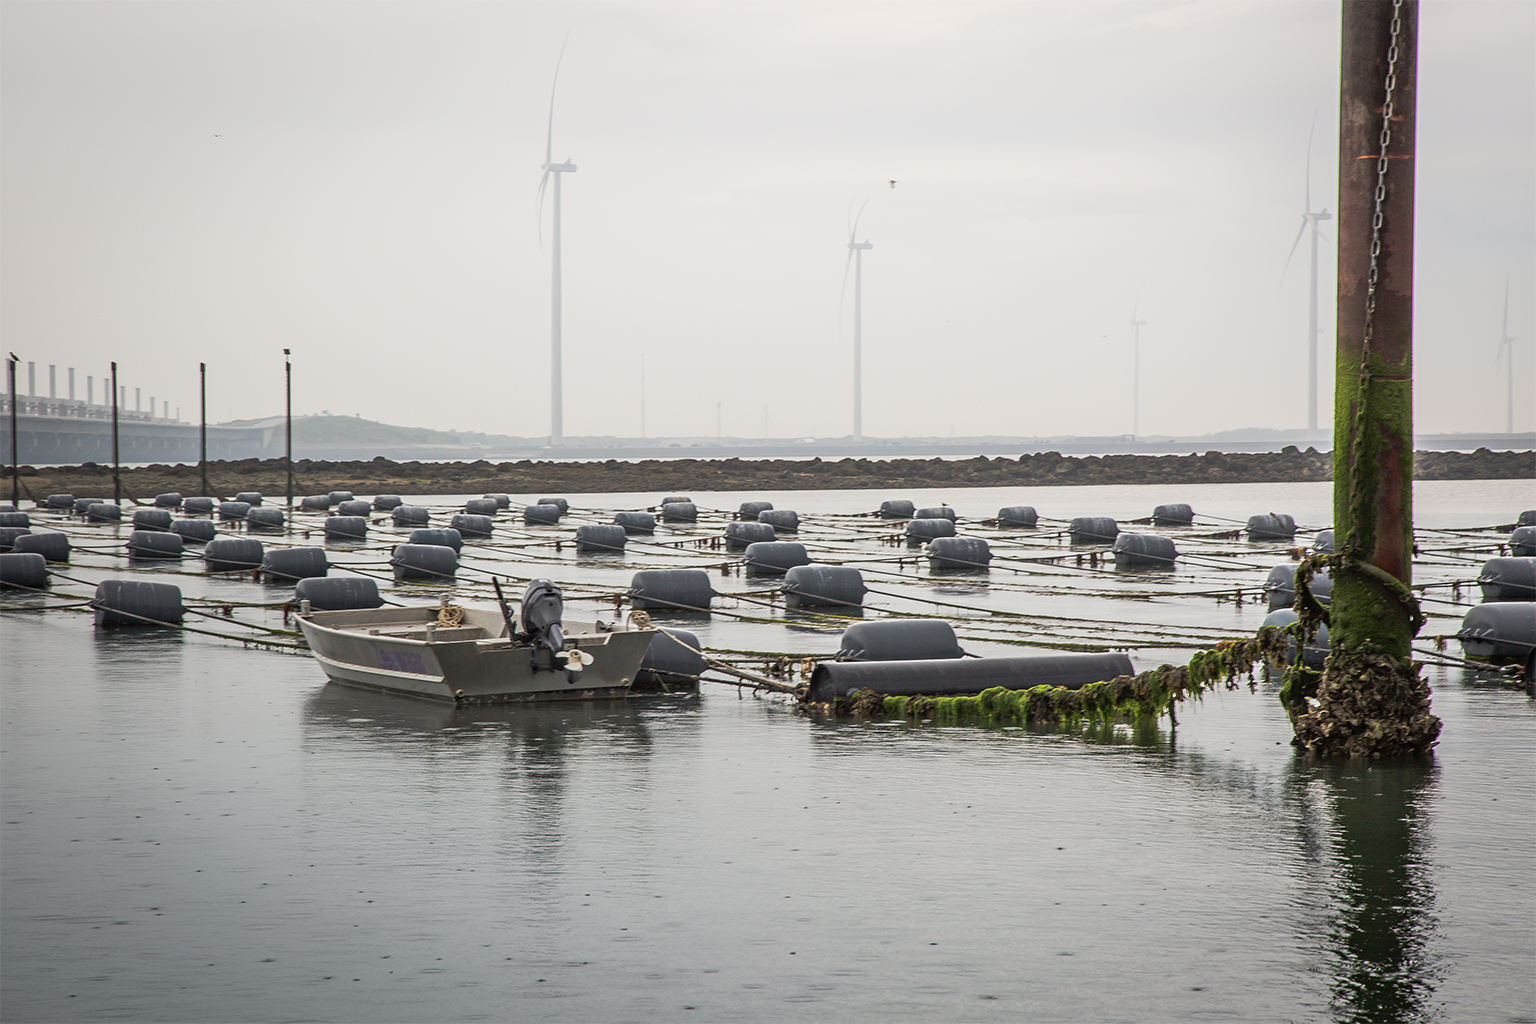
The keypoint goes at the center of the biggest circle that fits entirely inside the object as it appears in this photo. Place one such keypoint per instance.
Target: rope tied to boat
(449, 615)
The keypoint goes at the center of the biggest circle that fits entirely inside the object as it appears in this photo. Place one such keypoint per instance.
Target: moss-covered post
(1370, 700)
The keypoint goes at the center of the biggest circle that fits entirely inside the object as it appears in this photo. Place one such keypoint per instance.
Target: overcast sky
(357, 182)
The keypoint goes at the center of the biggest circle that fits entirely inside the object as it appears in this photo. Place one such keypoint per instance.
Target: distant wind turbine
(1310, 217)
(856, 259)
(556, 405)
(1136, 326)
(1506, 342)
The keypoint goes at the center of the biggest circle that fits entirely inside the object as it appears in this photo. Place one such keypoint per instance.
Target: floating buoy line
(1016, 576)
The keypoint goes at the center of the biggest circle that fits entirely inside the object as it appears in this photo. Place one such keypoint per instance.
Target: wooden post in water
(202, 405)
(288, 417)
(117, 464)
(15, 468)
(1370, 700)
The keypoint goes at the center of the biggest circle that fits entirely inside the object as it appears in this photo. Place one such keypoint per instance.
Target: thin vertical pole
(202, 404)
(15, 465)
(1312, 343)
(117, 465)
(556, 406)
(288, 417)
(642, 396)
(858, 344)
(1135, 381)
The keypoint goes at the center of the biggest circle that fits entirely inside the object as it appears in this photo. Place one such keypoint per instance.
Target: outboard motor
(540, 619)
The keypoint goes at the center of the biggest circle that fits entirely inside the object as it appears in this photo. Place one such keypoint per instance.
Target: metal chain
(1381, 179)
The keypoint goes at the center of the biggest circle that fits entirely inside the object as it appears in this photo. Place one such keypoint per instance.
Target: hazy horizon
(356, 182)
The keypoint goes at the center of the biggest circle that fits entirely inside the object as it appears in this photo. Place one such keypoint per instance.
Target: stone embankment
(526, 477)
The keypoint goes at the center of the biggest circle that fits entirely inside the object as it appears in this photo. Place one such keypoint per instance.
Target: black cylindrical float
(170, 499)
(1505, 630)
(23, 569)
(1018, 516)
(896, 509)
(8, 535)
(338, 593)
(19, 520)
(1274, 526)
(922, 530)
(783, 519)
(154, 544)
(1527, 518)
(1144, 549)
(200, 530)
(410, 515)
(560, 503)
(227, 554)
(600, 537)
(104, 512)
(675, 589)
(1281, 586)
(677, 499)
(1315, 653)
(750, 509)
(959, 553)
(337, 497)
(1502, 579)
(353, 507)
(481, 507)
(264, 519)
(739, 534)
(424, 561)
(449, 538)
(837, 679)
(52, 546)
(294, 563)
(899, 640)
(1177, 514)
(1093, 530)
(387, 502)
(673, 657)
(137, 603)
(938, 512)
(472, 525)
(1522, 543)
(316, 502)
(81, 504)
(635, 522)
(346, 527)
(251, 498)
(679, 512)
(234, 509)
(812, 586)
(199, 506)
(66, 501)
(502, 500)
(774, 558)
(1323, 542)
(541, 514)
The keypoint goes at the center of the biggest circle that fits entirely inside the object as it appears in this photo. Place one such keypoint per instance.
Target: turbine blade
(1310, 132)
(855, 230)
(549, 138)
(540, 211)
(1299, 232)
(843, 294)
(1504, 328)
(1135, 306)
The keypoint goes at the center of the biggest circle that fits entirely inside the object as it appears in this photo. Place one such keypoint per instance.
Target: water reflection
(1369, 823)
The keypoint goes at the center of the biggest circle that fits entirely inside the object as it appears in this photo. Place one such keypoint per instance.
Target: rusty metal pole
(1370, 700)
(1373, 404)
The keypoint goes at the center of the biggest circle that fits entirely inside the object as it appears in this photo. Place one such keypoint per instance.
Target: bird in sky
(893, 184)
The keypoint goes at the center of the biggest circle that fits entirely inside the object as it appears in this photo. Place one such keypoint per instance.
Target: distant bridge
(64, 431)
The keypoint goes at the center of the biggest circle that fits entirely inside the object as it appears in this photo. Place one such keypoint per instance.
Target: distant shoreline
(381, 475)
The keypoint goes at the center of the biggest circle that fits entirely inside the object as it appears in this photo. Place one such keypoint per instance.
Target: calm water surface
(196, 831)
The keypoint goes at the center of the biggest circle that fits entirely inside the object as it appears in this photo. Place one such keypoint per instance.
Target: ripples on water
(194, 831)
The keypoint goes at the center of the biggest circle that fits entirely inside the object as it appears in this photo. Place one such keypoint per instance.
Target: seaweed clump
(1229, 665)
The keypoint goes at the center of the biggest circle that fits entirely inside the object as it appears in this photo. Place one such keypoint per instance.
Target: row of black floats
(1502, 629)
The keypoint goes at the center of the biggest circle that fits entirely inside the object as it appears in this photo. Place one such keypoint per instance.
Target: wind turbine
(1310, 217)
(1136, 326)
(556, 406)
(1505, 341)
(856, 259)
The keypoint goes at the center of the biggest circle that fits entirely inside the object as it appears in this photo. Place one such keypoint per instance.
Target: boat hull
(402, 651)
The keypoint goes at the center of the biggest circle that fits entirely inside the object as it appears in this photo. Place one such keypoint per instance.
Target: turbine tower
(856, 258)
(556, 405)
(1505, 341)
(1310, 217)
(1136, 326)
